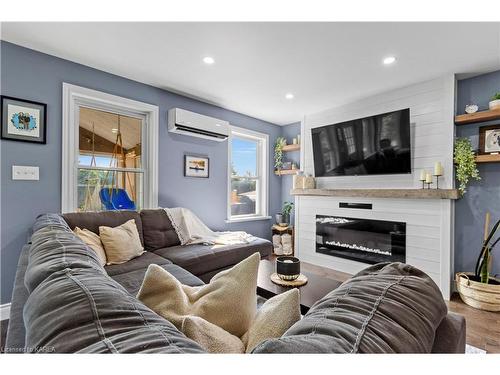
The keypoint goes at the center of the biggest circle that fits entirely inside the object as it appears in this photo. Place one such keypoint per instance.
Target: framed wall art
(489, 139)
(196, 166)
(23, 120)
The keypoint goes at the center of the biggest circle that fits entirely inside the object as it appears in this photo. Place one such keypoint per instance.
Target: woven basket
(479, 295)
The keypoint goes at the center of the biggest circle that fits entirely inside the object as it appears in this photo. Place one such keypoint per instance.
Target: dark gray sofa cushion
(200, 259)
(386, 308)
(450, 335)
(93, 220)
(132, 281)
(55, 247)
(137, 263)
(84, 310)
(14, 342)
(158, 230)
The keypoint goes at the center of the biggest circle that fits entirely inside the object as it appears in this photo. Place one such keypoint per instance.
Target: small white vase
(494, 104)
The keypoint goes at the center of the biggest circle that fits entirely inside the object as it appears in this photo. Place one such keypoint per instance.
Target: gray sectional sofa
(64, 301)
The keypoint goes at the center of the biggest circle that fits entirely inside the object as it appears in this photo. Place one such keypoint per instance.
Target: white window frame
(75, 97)
(262, 208)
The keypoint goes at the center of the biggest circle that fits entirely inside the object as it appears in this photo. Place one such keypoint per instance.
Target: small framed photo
(489, 139)
(23, 120)
(196, 166)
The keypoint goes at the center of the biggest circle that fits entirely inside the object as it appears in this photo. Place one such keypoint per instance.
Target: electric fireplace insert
(364, 240)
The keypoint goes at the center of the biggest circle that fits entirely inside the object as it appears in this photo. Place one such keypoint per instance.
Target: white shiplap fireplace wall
(429, 222)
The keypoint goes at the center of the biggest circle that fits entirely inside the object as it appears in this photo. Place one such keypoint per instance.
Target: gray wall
(483, 195)
(290, 131)
(35, 76)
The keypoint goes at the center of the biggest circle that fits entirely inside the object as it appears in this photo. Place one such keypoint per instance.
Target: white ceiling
(256, 64)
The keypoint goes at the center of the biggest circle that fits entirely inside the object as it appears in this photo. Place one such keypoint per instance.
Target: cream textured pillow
(93, 241)
(273, 319)
(211, 337)
(121, 243)
(228, 301)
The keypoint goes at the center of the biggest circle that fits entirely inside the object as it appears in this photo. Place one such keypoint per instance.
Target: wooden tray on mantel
(381, 193)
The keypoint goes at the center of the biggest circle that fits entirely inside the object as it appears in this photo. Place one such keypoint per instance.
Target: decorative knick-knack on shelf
(309, 182)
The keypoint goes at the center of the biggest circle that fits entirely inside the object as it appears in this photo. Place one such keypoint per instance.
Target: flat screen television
(372, 145)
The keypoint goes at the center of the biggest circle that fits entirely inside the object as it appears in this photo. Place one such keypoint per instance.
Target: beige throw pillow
(228, 301)
(121, 243)
(216, 315)
(211, 337)
(93, 241)
(273, 319)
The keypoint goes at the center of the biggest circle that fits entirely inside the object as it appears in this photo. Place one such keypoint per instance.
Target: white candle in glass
(438, 169)
(428, 178)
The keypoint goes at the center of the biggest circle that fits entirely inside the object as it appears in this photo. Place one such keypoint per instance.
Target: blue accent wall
(36, 76)
(483, 195)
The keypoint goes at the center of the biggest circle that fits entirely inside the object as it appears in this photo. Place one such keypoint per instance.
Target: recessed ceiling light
(289, 96)
(389, 60)
(208, 60)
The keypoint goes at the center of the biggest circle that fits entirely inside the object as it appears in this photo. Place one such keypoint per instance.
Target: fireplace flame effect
(358, 247)
(333, 220)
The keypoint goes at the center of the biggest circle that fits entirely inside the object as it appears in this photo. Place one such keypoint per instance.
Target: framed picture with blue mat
(23, 120)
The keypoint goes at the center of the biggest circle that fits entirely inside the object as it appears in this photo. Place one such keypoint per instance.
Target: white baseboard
(4, 311)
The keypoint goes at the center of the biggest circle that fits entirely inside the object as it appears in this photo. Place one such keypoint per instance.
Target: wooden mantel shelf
(381, 193)
(470, 118)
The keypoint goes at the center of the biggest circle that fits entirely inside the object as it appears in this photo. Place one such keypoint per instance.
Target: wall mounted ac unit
(185, 122)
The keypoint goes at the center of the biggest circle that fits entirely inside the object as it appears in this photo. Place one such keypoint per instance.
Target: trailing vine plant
(278, 152)
(465, 162)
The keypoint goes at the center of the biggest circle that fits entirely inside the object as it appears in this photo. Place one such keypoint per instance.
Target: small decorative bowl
(288, 268)
(471, 108)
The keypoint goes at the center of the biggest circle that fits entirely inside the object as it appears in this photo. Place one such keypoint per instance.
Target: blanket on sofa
(191, 230)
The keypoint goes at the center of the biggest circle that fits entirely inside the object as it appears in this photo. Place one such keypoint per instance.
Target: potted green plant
(479, 289)
(465, 163)
(283, 218)
(278, 152)
(495, 101)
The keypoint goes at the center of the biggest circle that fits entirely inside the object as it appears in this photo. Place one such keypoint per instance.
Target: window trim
(76, 96)
(262, 174)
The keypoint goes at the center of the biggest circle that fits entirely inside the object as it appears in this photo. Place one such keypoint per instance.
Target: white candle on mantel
(428, 178)
(423, 174)
(438, 169)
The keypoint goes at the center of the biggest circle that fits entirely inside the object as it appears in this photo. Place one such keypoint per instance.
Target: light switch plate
(22, 172)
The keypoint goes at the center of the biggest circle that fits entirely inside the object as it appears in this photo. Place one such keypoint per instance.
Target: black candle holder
(428, 184)
(423, 184)
(437, 180)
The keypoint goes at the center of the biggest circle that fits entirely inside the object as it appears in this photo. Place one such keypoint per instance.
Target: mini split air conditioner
(184, 122)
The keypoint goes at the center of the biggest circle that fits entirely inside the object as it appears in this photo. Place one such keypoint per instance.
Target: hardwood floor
(483, 327)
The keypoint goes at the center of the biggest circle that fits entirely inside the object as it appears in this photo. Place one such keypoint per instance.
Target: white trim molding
(73, 98)
(262, 206)
(5, 311)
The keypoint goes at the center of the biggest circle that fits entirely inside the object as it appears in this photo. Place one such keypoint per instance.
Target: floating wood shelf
(286, 171)
(470, 118)
(381, 193)
(288, 148)
(488, 158)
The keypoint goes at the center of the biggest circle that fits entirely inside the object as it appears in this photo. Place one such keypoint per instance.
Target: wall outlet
(21, 172)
